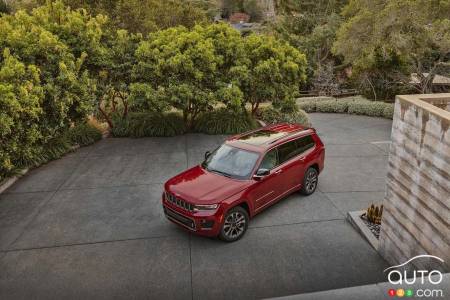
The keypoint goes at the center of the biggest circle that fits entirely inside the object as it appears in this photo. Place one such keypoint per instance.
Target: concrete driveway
(90, 225)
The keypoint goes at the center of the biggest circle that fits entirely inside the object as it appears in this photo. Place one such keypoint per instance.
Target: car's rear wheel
(310, 181)
(234, 225)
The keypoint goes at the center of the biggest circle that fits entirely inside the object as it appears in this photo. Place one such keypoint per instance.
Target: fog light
(207, 224)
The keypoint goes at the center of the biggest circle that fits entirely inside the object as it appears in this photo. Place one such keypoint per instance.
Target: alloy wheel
(311, 181)
(234, 225)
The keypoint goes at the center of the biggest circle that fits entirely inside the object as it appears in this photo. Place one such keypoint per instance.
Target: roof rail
(289, 134)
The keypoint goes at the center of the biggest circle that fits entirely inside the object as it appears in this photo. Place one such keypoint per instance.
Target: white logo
(433, 277)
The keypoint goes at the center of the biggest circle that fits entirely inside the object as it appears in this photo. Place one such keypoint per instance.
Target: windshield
(231, 162)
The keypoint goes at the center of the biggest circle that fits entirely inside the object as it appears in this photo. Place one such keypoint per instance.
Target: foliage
(271, 115)
(406, 36)
(351, 105)
(272, 72)
(20, 111)
(57, 146)
(225, 121)
(148, 124)
(193, 69)
(333, 106)
(311, 27)
(144, 16)
(4, 7)
(84, 134)
(374, 214)
(114, 75)
(38, 39)
(325, 81)
(45, 85)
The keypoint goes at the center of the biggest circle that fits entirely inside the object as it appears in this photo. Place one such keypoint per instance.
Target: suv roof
(264, 137)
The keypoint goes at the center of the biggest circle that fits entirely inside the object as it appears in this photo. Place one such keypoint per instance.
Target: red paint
(199, 186)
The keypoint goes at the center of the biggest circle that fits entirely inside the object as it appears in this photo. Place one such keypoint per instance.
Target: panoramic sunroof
(261, 137)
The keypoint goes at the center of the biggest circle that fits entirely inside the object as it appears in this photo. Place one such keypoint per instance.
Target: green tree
(273, 71)
(144, 16)
(311, 27)
(182, 65)
(114, 75)
(395, 38)
(21, 94)
(67, 96)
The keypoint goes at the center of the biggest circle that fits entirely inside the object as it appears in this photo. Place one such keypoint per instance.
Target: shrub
(367, 108)
(224, 121)
(353, 105)
(148, 124)
(388, 111)
(271, 115)
(84, 134)
(308, 106)
(332, 106)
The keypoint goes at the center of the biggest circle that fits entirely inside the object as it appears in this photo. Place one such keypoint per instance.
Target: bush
(308, 106)
(84, 134)
(352, 105)
(80, 135)
(332, 106)
(366, 108)
(388, 111)
(148, 124)
(224, 121)
(271, 115)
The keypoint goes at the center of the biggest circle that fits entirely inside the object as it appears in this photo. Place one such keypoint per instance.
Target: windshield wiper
(220, 172)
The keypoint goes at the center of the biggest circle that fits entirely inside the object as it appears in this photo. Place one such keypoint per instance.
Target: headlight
(205, 207)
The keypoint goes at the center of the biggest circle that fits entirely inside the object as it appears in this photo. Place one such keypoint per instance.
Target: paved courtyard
(90, 225)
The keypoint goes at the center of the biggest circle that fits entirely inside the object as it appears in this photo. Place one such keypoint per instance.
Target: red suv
(242, 177)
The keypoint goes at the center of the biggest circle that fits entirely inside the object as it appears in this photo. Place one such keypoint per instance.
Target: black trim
(179, 218)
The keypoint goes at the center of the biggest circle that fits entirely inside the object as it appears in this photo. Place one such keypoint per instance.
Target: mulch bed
(374, 228)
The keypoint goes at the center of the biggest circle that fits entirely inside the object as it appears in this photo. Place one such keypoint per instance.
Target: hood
(199, 186)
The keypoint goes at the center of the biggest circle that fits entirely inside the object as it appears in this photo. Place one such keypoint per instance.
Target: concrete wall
(416, 216)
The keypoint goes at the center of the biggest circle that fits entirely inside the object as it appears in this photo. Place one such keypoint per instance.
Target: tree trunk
(107, 118)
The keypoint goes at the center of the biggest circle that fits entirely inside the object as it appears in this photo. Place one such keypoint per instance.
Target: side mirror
(261, 173)
(207, 154)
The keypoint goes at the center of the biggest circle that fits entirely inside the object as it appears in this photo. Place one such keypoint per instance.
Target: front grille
(179, 218)
(179, 202)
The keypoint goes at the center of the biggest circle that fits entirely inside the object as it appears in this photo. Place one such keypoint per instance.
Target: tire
(235, 224)
(310, 181)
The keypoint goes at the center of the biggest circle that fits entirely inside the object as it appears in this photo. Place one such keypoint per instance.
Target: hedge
(271, 115)
(224, 121)
(353, 105)
(148, 124)
(81, 135)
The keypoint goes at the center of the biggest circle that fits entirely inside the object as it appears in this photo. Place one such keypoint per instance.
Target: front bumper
(206, 223)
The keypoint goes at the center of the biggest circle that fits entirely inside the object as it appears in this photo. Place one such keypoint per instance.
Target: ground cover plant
(352, 105)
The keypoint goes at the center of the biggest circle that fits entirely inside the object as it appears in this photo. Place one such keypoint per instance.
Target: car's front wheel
(310, 181)
(234, 225)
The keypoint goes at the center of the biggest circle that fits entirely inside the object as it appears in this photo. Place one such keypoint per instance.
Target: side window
(287, 151)
(270, 160)
(294, 148)
(305, 143)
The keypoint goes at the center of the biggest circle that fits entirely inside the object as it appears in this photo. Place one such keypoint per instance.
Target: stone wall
(416, 216)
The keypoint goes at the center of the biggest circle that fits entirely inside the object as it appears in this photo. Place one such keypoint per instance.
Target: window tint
(294, 148)
(305, 143)
(287, 151)
(269, 161)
